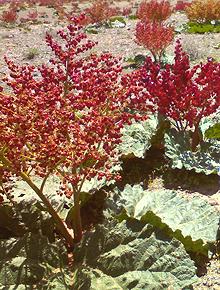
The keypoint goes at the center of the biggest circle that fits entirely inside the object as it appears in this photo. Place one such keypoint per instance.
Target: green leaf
(136, 138)
(32, 261)
(208, 122)
(213, 132)
(96, 184)
(135, 62)
(192, 221)
(132, 17)
(10, 225)
(178, 149)
(91, 30)
(130, 255)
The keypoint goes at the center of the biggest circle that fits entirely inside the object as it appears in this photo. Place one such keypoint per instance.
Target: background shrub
(154, 10)
(155, 37)
(203, 11)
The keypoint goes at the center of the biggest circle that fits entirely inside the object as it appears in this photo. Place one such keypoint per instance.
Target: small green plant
(217, 46)
(32, 53)
(194, 27)
(136, 61)
(91, 30)
(132, 17)
(116, 22)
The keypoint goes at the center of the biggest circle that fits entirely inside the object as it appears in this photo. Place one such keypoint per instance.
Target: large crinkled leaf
(178, 148)
(193, 221)
(136, 138)
(130, 255)
(93, 279)
(25, 217)
(31, 261)
(96, 184)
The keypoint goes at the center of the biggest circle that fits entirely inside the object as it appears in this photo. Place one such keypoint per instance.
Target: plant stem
(77, 221)
(195, 137)
(60, 224)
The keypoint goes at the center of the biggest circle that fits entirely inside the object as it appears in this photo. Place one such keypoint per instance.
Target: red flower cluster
(72, 112)
(183, 94)
(203, 11)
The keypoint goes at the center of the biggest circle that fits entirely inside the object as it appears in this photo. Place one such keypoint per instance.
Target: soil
(25, 45)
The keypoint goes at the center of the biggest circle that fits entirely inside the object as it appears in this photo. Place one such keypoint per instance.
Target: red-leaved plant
(154, 10)
(66, 121)
(100, 11)
(181, 5)
(182, 93)
(155, 37)
(9, 16)
(126, 11)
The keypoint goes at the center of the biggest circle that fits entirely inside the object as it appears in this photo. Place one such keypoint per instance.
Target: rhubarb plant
(67, 122)
(181, 93)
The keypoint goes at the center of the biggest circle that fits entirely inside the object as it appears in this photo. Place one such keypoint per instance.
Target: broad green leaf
(192, 221)
(136, 138)
(208, 122)
(178, 149)
(32, 261)
(9, 223)
(130, 255)
(213, 132)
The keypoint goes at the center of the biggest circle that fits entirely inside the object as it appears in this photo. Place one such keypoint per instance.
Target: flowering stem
(65, 88)
(60, 224)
